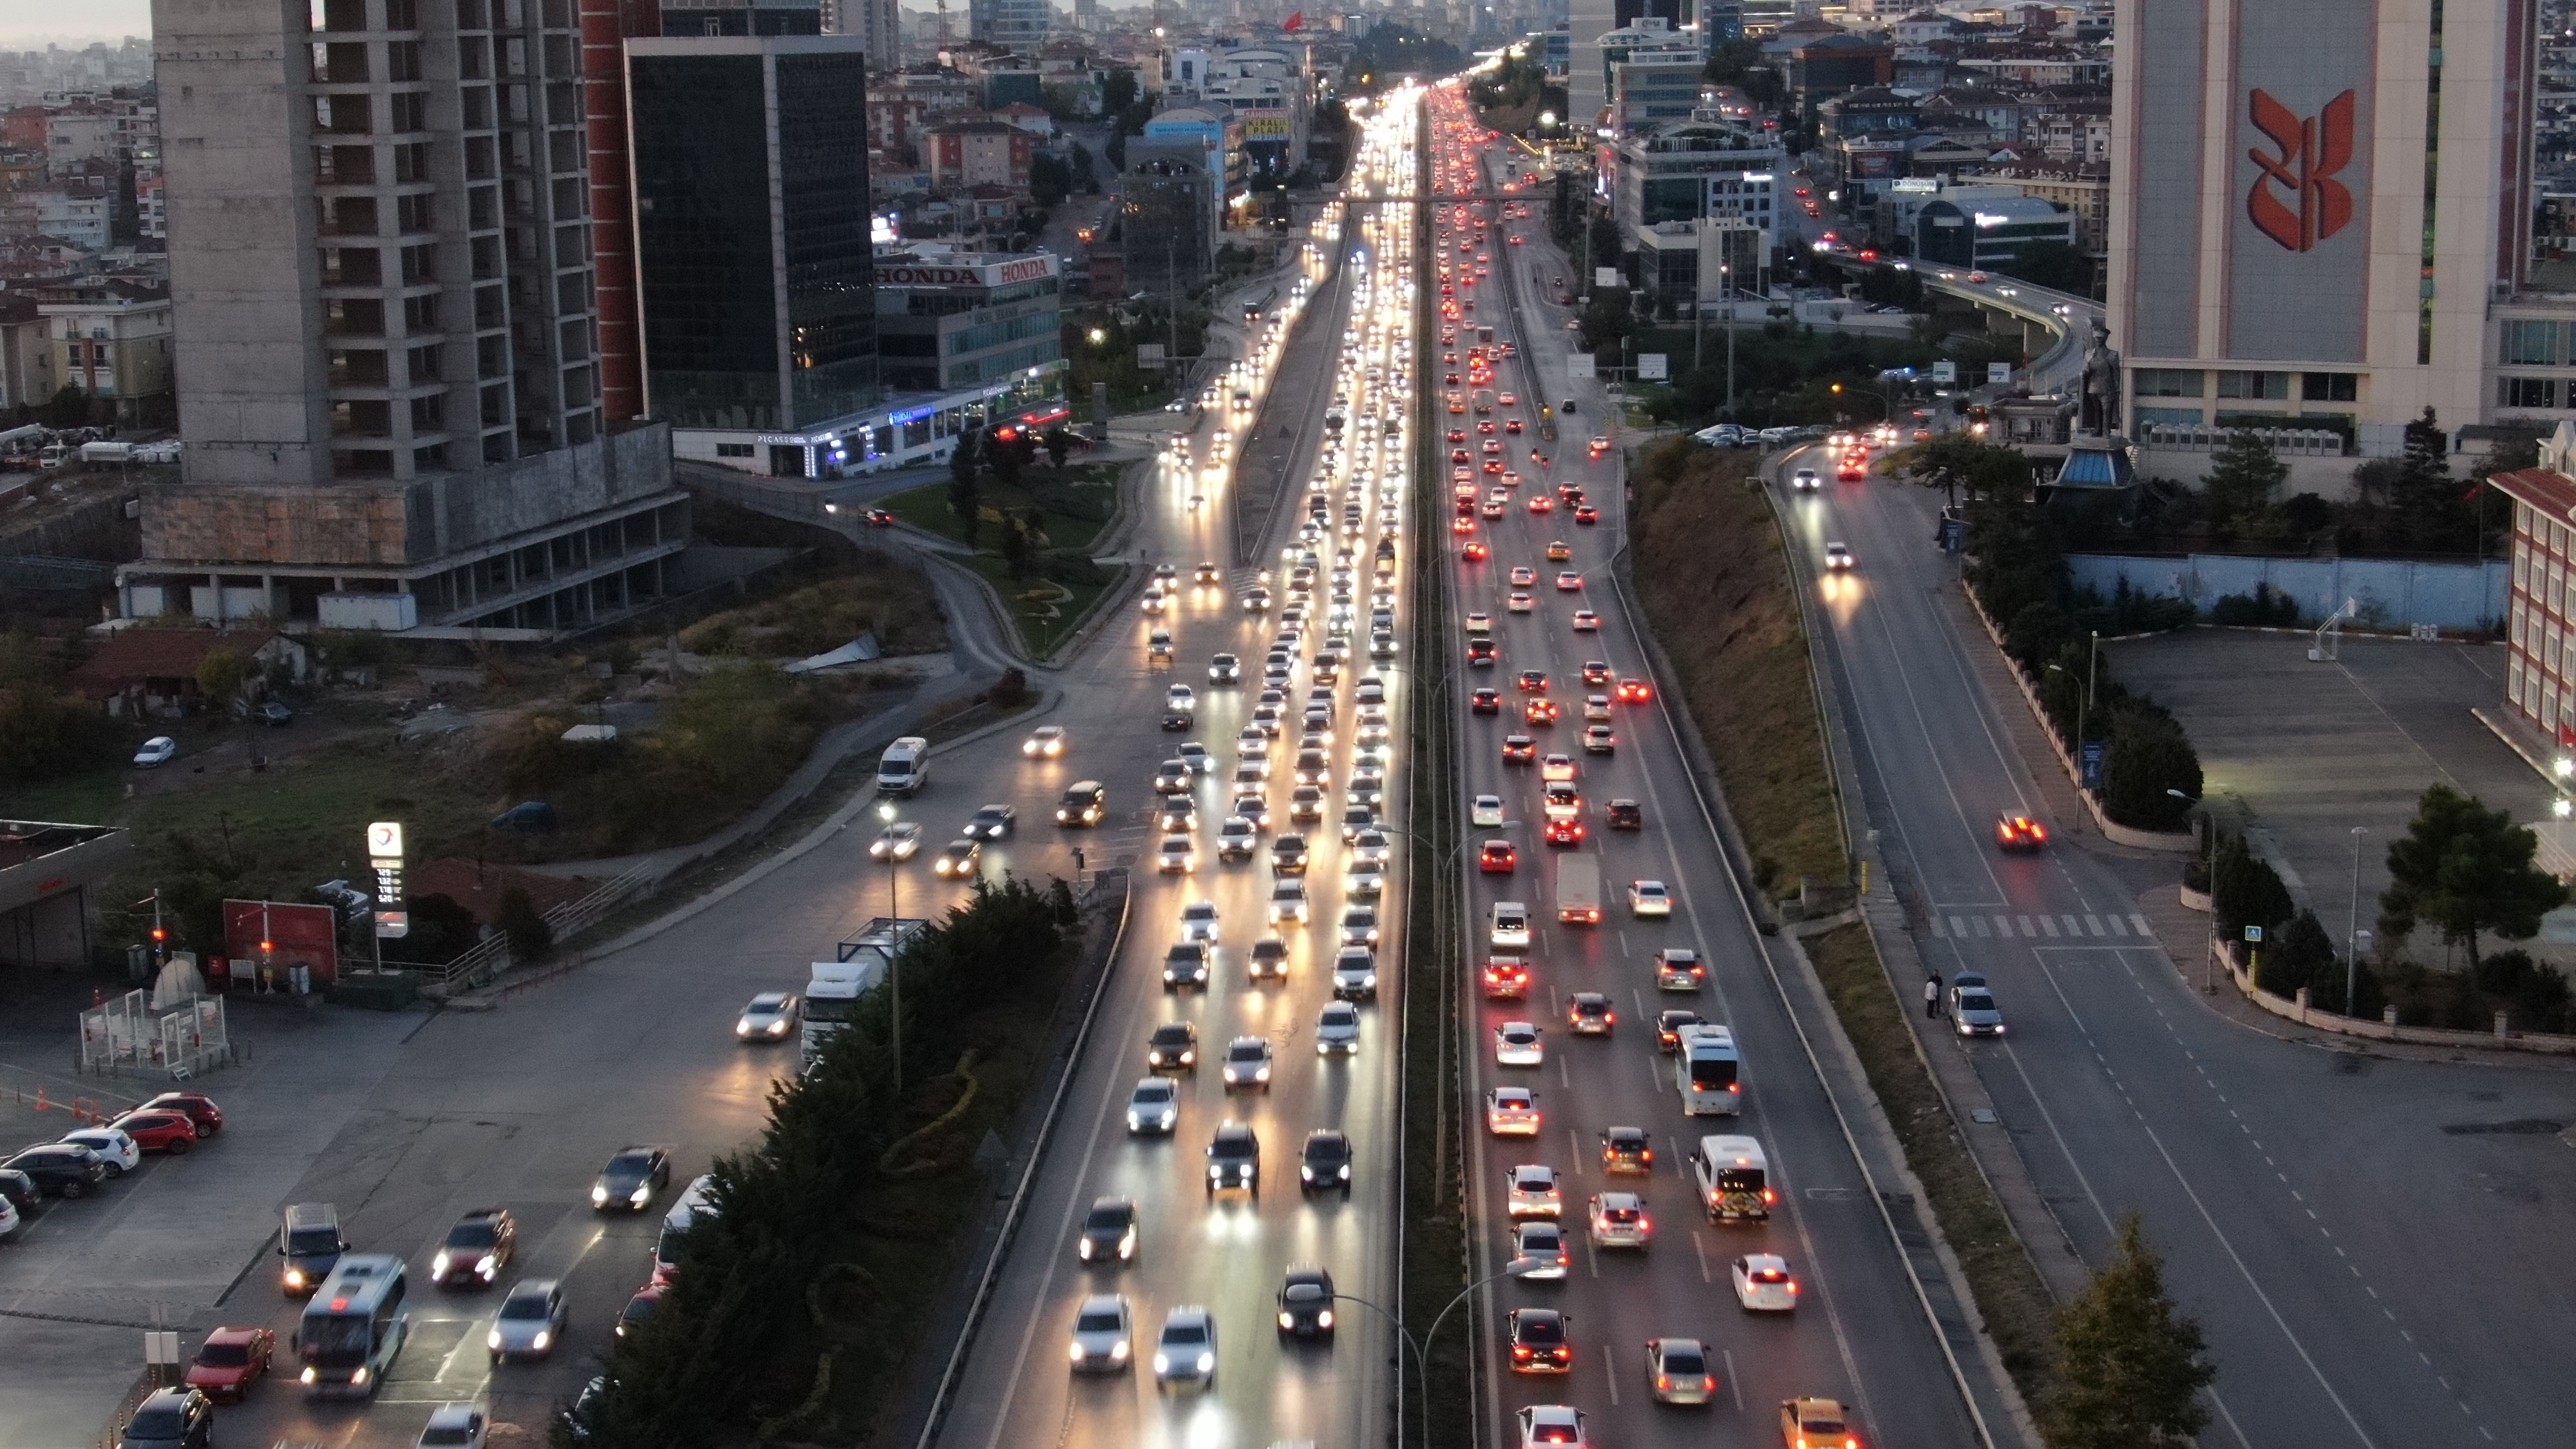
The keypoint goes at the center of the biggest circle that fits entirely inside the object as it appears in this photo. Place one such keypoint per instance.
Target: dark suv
(477, 1249)
(61, 1169)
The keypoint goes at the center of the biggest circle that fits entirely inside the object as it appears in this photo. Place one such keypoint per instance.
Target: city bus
(353, 1327)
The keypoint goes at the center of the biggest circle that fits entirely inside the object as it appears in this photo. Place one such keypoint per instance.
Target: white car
(1196, 756)
(1542, 1242)
(1556, 767)
(1287, 901)
(1649, 898)
(1510, 924)
(1185, 1354)
(1763, 1283)
(770, 1016)
(1359, 926)
(1198, 922)
(1838, 558)
(1181, 697)
(1552, 1426)
(1534, 1192)
(1370, 847)
(1337, 1030)
(531, 1321)
(1517, 1044)
(1103, 1335)
(899, 841)
(1225, 669)
(1247, 1063)
(1806, 481)
(157, 750)
(1046, 742)
(1619, 1220)
(1154, 1107)
(454, 1426)
(1486, 811)
(1176, 856)
(1511, 1112)
(113, 1147)
(1253, 743)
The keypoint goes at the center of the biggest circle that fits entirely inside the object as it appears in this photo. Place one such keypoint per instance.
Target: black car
(631, 1178)
(19, 1189)
(1486, 701)
(1325, 1165)
(1174, 1047)
(1108, 1232)
(61, 1169)
(576, 1415)
(1234, 1159)
(1626, 1150)
(1177, 719)
(477, 1249)
(1627, 815)
(1306, 1303)
(171, 1419)
(1288, 855)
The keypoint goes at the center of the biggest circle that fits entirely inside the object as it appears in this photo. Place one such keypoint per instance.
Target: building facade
(2334, 197)
(1016, 25)
(381, 295)
(965, 154)
(752, 234)
(957, 321)
(110, 337)
(1988, 233)
(1164, 223)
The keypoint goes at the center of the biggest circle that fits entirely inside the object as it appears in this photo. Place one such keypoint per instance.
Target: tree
(1019, 551)
(219, 677)
(531, 939)
(1117, 91)
(2466, 871)
(2299, 955)
(67, 408)
(965, 498)
(2148, 755)
(1050, 179)
(1086, 176)
(1609, 321)
(2130, 1365)
(2242, 478)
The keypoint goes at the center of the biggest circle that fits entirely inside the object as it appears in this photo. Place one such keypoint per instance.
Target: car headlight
(307, 1376)
(1127, 1244)
(1217, 1173)
(485, 1264)
(1324, 1318)
(1118, 1351)
(358, 1375)
(1078, 1354)
(1287, 1320)
(1134, 1122)
(438, 1265)
(598, 1195)
(1346, 1172)
(294, 1277)
(1207, 1363)
(778, 1027)
(492, 1340)
(1082, 1250)
(1305, 1174)
(743, 1028)
(1261, 1074)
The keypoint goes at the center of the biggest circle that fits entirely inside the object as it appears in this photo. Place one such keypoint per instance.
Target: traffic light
(160, 936)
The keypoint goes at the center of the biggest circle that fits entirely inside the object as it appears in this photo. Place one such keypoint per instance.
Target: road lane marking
(2003, 927)
(2140, 922)
(2023, 923)
(2118, 927)
(1958, 927)
(1610, 1366)
(1733, 1383)
(2048, 924)
(2093, 924)
(2072, 929)
(1574, 1147)
(1700, 1246)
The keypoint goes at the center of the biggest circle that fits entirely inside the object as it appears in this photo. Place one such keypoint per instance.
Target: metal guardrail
(491, 956)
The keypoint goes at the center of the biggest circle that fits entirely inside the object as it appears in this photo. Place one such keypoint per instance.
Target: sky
(29, 24)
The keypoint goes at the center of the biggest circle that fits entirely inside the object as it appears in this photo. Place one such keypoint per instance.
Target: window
(2254, 384)
(2530, 392)
(2532, 344)
(2329, 387)
(733, 450)
(2168, 417)
(2167, 382)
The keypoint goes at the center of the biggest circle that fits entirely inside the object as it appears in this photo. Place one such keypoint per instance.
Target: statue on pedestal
(2099, 409)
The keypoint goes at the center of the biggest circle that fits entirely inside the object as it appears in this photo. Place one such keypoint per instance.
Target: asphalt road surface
(2374, 1246)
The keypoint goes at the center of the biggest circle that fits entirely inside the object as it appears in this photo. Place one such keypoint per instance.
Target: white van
(1734, 1178)
(698, 1200)
(1511, 924)
(905, 765)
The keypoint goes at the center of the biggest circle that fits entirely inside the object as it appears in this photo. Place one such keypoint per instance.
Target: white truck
(904, 766)
(1578, 890)
(833, 992)
(1707, 1071)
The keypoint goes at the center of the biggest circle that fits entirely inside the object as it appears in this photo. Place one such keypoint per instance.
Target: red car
(1564, 832)
(1463, 523)
(1506, 978)
(158, 1130)
(1486, 701)
(1457, 435)
(2019, 832)
(641, 1306)
(1511, 425)
(1497, 858)
(1587, 515)
(231, 1360)
(200, 1109)
(1635, 691)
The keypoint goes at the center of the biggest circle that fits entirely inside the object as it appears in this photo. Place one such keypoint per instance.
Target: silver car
(771, 1016)
(531, 1321)
(1185, 1354)
(1103, 1335)
(1973, 1011)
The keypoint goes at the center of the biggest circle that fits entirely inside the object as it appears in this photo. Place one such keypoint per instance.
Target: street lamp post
(1726, 284)
(1519, 1265)
(2352, 927)
(2209, 944)
(894, 958)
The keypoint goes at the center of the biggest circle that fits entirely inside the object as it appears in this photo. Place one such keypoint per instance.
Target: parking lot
(2310, 750)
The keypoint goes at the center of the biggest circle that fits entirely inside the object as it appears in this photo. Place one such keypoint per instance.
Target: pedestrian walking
(1932, 996)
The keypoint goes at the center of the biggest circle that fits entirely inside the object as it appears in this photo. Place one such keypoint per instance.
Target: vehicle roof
(1734, 1151)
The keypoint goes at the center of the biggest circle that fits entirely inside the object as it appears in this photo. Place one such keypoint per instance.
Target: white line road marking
(2093, 924)
(2140, 922)
(1732, 1382)
(2119, 927)
(1700, 1246)
(1958, 927)
(2049, 925)
(1983, 931)
(2023, 922)
(1610, 1366)
(1574, 1148)
(2072, 929)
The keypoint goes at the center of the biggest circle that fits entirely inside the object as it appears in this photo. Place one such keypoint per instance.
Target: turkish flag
(1294, 21)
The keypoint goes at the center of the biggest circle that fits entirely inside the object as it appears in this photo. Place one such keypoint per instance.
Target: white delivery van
(905, 765)
(1734, 1178)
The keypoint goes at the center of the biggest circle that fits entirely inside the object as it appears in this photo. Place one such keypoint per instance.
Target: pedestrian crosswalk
(2011, 927)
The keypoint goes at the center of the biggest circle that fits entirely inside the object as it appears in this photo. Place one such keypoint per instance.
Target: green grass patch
(1073, 505)
(2017, 1308)
(895, 604)
(1048, 612)
(83, 799)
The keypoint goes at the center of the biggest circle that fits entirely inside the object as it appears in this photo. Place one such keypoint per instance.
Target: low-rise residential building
(27, 376)
(966, 154)
(111, 339)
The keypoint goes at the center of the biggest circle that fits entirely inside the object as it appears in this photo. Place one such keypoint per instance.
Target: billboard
(300, 935)
(1265, 128)
(1653, 366)
(2299, 181)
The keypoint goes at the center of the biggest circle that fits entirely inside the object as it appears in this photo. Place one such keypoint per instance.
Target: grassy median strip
(1715, 581)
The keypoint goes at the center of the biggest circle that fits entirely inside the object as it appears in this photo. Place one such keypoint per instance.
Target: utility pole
(1726, 284)
(2352, 929)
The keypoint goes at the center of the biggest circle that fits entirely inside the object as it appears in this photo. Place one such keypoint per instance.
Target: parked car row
(86, 1159)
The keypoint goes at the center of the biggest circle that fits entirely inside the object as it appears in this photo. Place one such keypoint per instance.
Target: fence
(130, 1034)
(2386, 593)
(2285, 442)
(491, 956)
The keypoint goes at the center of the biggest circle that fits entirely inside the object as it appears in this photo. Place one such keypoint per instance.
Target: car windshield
(313, 1240)
(1232, 1147)
(224, 1355)
(1326, 1149)
(1820, 1424)
(1184, 1334)
(1976, 1001)
(1684, 1361)
(472, 1235)
(524, 1305)
(1156, 1092)
(629, 1164)
(156, 1423)
(1540, 1330)
(1306, 1292)
(1107, 1217)
(1096, 1323)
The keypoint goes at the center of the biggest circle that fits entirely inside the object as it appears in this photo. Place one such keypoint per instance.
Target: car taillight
(1768, 1196)
(1662, 1382)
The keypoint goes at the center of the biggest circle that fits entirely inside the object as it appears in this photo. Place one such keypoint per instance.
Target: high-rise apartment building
(1019, 25)
(2321, 217)
(380, 258)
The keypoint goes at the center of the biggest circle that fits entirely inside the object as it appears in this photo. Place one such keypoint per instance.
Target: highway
(1229, 1251)
(1860, 1334)
(2374, 1264)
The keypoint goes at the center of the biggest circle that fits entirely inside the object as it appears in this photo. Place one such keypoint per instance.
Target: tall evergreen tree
(2466, 871)
(2241, 480)
(2130, 1365)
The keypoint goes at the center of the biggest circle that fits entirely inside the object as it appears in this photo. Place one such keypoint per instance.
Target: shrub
(2535, 994)
(2300, 954)
(2266, 607)
(531, 939)
(2246, 892)
(2148, 755)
